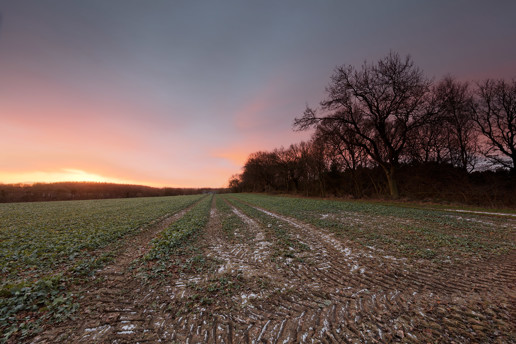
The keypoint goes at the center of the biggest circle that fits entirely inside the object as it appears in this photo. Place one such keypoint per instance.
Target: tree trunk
(357, 190)
(322, 188)
(393, 183)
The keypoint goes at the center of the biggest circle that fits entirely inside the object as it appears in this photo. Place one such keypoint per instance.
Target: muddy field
(253, 275)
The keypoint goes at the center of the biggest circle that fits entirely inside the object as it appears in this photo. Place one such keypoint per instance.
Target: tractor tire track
(335, 292)
(388, 286)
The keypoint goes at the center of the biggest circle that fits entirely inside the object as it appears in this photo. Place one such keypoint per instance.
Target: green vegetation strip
(180, 231)
(45, 246)
(229, 220)
(285, 244)
(400, 231)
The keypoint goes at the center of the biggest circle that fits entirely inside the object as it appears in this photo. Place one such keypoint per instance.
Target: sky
(179, 93)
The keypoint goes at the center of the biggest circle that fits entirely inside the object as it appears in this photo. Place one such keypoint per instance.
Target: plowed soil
(239, 287)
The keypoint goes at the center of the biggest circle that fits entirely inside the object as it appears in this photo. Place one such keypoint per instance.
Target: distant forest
(87, 190)
(386, 130)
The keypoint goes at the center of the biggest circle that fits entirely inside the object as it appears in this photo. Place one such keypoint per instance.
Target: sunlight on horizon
(62, 175)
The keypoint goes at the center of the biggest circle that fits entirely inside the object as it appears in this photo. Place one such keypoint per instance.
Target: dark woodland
(87, 190)
(386, 130)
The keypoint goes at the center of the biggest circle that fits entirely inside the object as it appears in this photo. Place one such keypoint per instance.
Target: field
(249, 268)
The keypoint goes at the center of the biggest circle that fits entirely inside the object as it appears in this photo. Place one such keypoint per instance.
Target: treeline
(87, 190)
(386, 130)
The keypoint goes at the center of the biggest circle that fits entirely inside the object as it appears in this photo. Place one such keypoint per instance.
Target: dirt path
(237, 289)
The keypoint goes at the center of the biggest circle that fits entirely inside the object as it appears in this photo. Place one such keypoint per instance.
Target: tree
(314, 160)
(382, 104)
(235, 183)
(261, 172)
(455, 103)
(428, 144)
(495, 115)
(341, 150)
(288, 167)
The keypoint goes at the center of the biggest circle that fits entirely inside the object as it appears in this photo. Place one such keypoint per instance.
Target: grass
(402, 231)
(214, 288)
(47, 246)
(285, 245)
(177, 234)
(229, 220)
(35, 238)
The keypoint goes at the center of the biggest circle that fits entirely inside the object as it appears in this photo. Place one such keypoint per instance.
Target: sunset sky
(178, 93)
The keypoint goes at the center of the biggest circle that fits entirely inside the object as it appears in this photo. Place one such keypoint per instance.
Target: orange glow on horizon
(63, 175)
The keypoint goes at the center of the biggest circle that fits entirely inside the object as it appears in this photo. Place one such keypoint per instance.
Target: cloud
(252, 115)
(236, 156)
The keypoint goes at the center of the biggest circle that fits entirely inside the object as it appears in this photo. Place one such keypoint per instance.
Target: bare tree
(288, 173)
(235, 183)
(342, 150)
(495, 114)
(428, 144)
(261, 172)
(315, 161)
(381, 103)
(455, 103)
(299, 161)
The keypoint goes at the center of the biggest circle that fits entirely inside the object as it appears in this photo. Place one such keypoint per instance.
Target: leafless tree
(261, 172)
(291, 171)
(316, 165)
(457, 125)
(382, 104)
(342, 150)
(428, 144)
(495, 114)
(235, 183)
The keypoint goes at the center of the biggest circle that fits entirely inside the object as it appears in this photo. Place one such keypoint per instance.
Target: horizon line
(108, 182)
